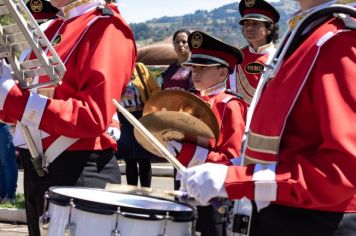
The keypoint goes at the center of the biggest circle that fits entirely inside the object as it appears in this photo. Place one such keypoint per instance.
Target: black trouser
(210, 222)
(276, 220)
(99, 168)
(135, 167)
(176, 183)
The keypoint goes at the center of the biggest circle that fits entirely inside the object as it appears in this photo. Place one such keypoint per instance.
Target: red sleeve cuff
(238, 182)
(15, 103)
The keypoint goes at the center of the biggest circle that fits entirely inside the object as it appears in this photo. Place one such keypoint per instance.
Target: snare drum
(86, 211)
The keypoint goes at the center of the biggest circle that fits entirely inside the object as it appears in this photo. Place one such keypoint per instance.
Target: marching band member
(177, 76)
(301, 150)
(211, 62)
(260, 28)
(74, 121)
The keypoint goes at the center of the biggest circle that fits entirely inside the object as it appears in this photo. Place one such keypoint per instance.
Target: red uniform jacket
(246, 76)
(230, 112)
(317, 152)
(99, 54)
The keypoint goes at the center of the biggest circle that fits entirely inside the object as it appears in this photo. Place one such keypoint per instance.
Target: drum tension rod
(166, 218)
(45, 218)
(116, 231)
(70, 227)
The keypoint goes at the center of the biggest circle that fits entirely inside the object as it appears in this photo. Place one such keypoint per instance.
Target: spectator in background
(8, 166)
(137, 159)
(177, 76)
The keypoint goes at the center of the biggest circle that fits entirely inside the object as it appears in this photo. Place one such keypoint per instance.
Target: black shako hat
(259, 10)
(210, 51)
(41, 9)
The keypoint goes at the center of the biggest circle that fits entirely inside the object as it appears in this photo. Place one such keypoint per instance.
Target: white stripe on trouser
(37, 139)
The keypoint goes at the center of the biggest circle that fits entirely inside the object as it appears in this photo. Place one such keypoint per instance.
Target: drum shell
(98, 218)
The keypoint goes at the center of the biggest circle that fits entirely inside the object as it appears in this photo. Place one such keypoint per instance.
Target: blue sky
(135, 11)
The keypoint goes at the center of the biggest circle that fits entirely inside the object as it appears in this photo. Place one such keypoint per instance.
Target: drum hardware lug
(165, 225)
(241, 224)
(116, 231)
(45, 218)
(229, 215)
(70, 227)
(230, 222)
(242, 217)
(226, 215)
(195, 217)
(44, 223)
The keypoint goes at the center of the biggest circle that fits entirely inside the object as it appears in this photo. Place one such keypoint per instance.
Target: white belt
(52, 152)
(57, 147)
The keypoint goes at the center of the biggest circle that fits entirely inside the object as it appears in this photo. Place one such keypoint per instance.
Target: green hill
(221, 22)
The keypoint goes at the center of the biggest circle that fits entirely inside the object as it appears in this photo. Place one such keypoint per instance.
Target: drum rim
(110, 209)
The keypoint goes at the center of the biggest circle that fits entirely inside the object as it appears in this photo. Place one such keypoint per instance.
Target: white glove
(114, 132)
(205, 182)
(174, 147)
(6, 82)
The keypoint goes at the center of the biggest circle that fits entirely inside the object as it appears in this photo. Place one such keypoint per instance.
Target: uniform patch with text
(254, 68)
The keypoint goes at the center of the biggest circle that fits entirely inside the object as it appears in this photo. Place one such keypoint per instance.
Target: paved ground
(13, 230)
(6, 229)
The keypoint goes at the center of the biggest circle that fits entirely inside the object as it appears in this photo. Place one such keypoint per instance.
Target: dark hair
(274, 35)
(180, 31)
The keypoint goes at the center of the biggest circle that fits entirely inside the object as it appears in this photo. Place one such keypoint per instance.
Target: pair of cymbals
(177, 115)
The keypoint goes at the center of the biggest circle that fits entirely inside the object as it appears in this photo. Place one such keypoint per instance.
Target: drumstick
(120, 188)
(163, 150)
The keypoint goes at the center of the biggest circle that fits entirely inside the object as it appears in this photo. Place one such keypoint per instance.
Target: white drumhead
(119, 199)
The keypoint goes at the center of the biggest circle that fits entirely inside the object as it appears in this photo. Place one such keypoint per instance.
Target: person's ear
(224, 72)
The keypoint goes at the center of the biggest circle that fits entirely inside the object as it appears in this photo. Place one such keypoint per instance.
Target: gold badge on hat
(197, 40)
(36, 5)
(250, 3)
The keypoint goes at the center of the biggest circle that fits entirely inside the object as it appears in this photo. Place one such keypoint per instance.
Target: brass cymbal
(183, 102)
(172, 125)
(178, 115)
